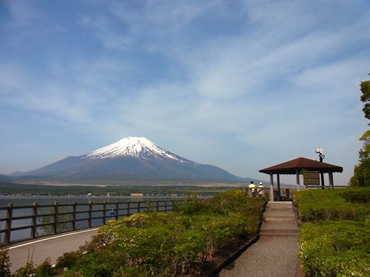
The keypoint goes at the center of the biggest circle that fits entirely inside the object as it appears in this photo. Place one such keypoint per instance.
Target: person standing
(260, 190)
(252, 189)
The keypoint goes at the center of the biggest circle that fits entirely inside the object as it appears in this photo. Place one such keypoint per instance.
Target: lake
(48, 200)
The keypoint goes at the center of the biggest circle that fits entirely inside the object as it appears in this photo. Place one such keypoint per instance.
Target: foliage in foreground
(338, 204)
(164, 244)
(4, 262)
(335, 238)
(336, 248)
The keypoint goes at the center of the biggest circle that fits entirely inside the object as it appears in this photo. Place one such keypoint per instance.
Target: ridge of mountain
(131, 158)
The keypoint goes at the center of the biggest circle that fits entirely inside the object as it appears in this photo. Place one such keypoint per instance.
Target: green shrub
(4, 262)
(322, 205)
(335, 238)
(335, 248)
(29, 269)
(165, 244)
(356, 195)
(235, 201)
(188, 245)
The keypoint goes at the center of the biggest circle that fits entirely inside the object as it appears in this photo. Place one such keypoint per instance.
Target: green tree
(365, 97)
(363, 168)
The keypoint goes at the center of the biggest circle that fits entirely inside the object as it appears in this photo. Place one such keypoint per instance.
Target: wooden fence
(44, 220)
(325, 187)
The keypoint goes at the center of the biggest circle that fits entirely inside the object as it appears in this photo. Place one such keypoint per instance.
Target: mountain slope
(132, 158)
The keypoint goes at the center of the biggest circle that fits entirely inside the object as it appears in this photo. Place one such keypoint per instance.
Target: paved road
(50, 247)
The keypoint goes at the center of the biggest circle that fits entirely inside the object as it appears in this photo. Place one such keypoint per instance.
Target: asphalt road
(50, 247)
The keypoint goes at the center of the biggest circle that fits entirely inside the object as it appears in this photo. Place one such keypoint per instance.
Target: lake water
(48, 200)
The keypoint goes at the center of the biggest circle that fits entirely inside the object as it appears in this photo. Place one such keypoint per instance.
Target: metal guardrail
(59, 218)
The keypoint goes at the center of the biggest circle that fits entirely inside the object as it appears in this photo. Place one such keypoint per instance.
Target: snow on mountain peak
(130, 146)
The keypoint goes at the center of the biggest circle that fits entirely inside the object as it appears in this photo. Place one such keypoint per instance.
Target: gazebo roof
(291, 167)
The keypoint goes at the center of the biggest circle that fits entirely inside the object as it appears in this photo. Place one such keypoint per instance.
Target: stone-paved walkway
(275, 253)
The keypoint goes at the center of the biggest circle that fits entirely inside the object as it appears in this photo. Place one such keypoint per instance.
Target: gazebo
(297, 166)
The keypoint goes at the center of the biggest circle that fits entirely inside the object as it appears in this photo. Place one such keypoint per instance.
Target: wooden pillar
(271, 187)
(297, 178)
(8, 227)
(322, 180)
(287, 194)
(331, 182)
(104, 212)
(116, 209)
(34, 220)
(90, 214)
(55, 215)
(74, 216)
(278, 185)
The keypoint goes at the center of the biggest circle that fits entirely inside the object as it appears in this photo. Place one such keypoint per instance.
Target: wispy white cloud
(10, 78)
(23, 14)
(259, 80)
(106, 31)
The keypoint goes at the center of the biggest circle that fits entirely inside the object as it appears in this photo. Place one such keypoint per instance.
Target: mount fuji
(129, 159)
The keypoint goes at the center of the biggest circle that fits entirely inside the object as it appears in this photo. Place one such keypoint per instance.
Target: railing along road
(44, 220)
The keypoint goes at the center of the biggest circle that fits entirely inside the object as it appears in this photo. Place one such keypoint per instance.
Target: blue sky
(242, 85)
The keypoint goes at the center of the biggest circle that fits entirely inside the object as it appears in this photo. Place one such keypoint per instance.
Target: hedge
(339, 204)
(335, 234)
(335, 248)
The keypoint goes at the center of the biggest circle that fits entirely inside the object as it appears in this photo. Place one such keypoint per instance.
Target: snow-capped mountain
(131, 158)
(130, 146)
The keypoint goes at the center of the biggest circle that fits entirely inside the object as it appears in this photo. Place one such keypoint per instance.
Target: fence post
(128, 208)
(55, 217)
(90, 213)
(104, 211)
(74, 215)
(8, 224)
(157, 205)
(117, 206)
(149, 208)
(34, 220)
(287, 194)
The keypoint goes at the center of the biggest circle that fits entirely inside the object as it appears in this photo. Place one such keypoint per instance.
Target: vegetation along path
(275, 253)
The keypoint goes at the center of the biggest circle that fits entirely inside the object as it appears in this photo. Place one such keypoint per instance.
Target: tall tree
(362, 170)
(365, 97)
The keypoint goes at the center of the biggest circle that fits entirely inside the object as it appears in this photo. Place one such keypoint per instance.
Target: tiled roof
(291, 167)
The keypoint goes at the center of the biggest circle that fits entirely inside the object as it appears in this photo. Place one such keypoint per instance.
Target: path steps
(275, 253)
(279, 220)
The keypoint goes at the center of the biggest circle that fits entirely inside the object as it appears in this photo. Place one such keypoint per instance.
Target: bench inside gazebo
(299, 166)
